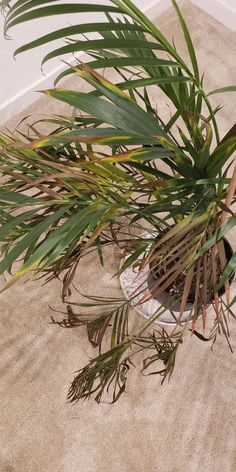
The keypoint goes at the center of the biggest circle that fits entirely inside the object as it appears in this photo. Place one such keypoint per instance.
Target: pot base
(132, 282)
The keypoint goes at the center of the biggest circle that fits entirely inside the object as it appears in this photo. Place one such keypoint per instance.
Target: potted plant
(116, 173)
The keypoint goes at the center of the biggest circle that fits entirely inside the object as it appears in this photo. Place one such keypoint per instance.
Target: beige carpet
(187, 425)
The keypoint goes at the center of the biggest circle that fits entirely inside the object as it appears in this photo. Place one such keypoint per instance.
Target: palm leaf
(230, 88)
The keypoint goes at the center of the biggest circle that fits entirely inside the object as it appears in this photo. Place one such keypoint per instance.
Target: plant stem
(229, 197)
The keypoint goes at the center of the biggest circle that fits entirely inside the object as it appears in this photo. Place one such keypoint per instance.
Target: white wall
(20, 78)
(22, 75)
(230, 3)
(222, 10)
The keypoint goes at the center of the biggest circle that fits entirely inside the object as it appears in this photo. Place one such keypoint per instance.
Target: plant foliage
(114, 168)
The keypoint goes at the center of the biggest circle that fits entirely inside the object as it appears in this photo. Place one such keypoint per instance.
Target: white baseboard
(222, 10)
(30, 94)
(156, 7)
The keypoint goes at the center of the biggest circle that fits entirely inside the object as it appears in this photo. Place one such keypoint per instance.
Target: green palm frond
(121, 38)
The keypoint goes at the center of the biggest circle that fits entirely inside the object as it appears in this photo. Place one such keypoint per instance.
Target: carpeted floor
(187, 425)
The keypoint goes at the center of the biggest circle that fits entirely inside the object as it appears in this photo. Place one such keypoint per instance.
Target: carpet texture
(187, 425)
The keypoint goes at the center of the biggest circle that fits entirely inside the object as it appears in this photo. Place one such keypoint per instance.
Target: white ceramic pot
(132, 281)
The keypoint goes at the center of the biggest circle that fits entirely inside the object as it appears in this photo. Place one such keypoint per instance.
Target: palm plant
(114, 168)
